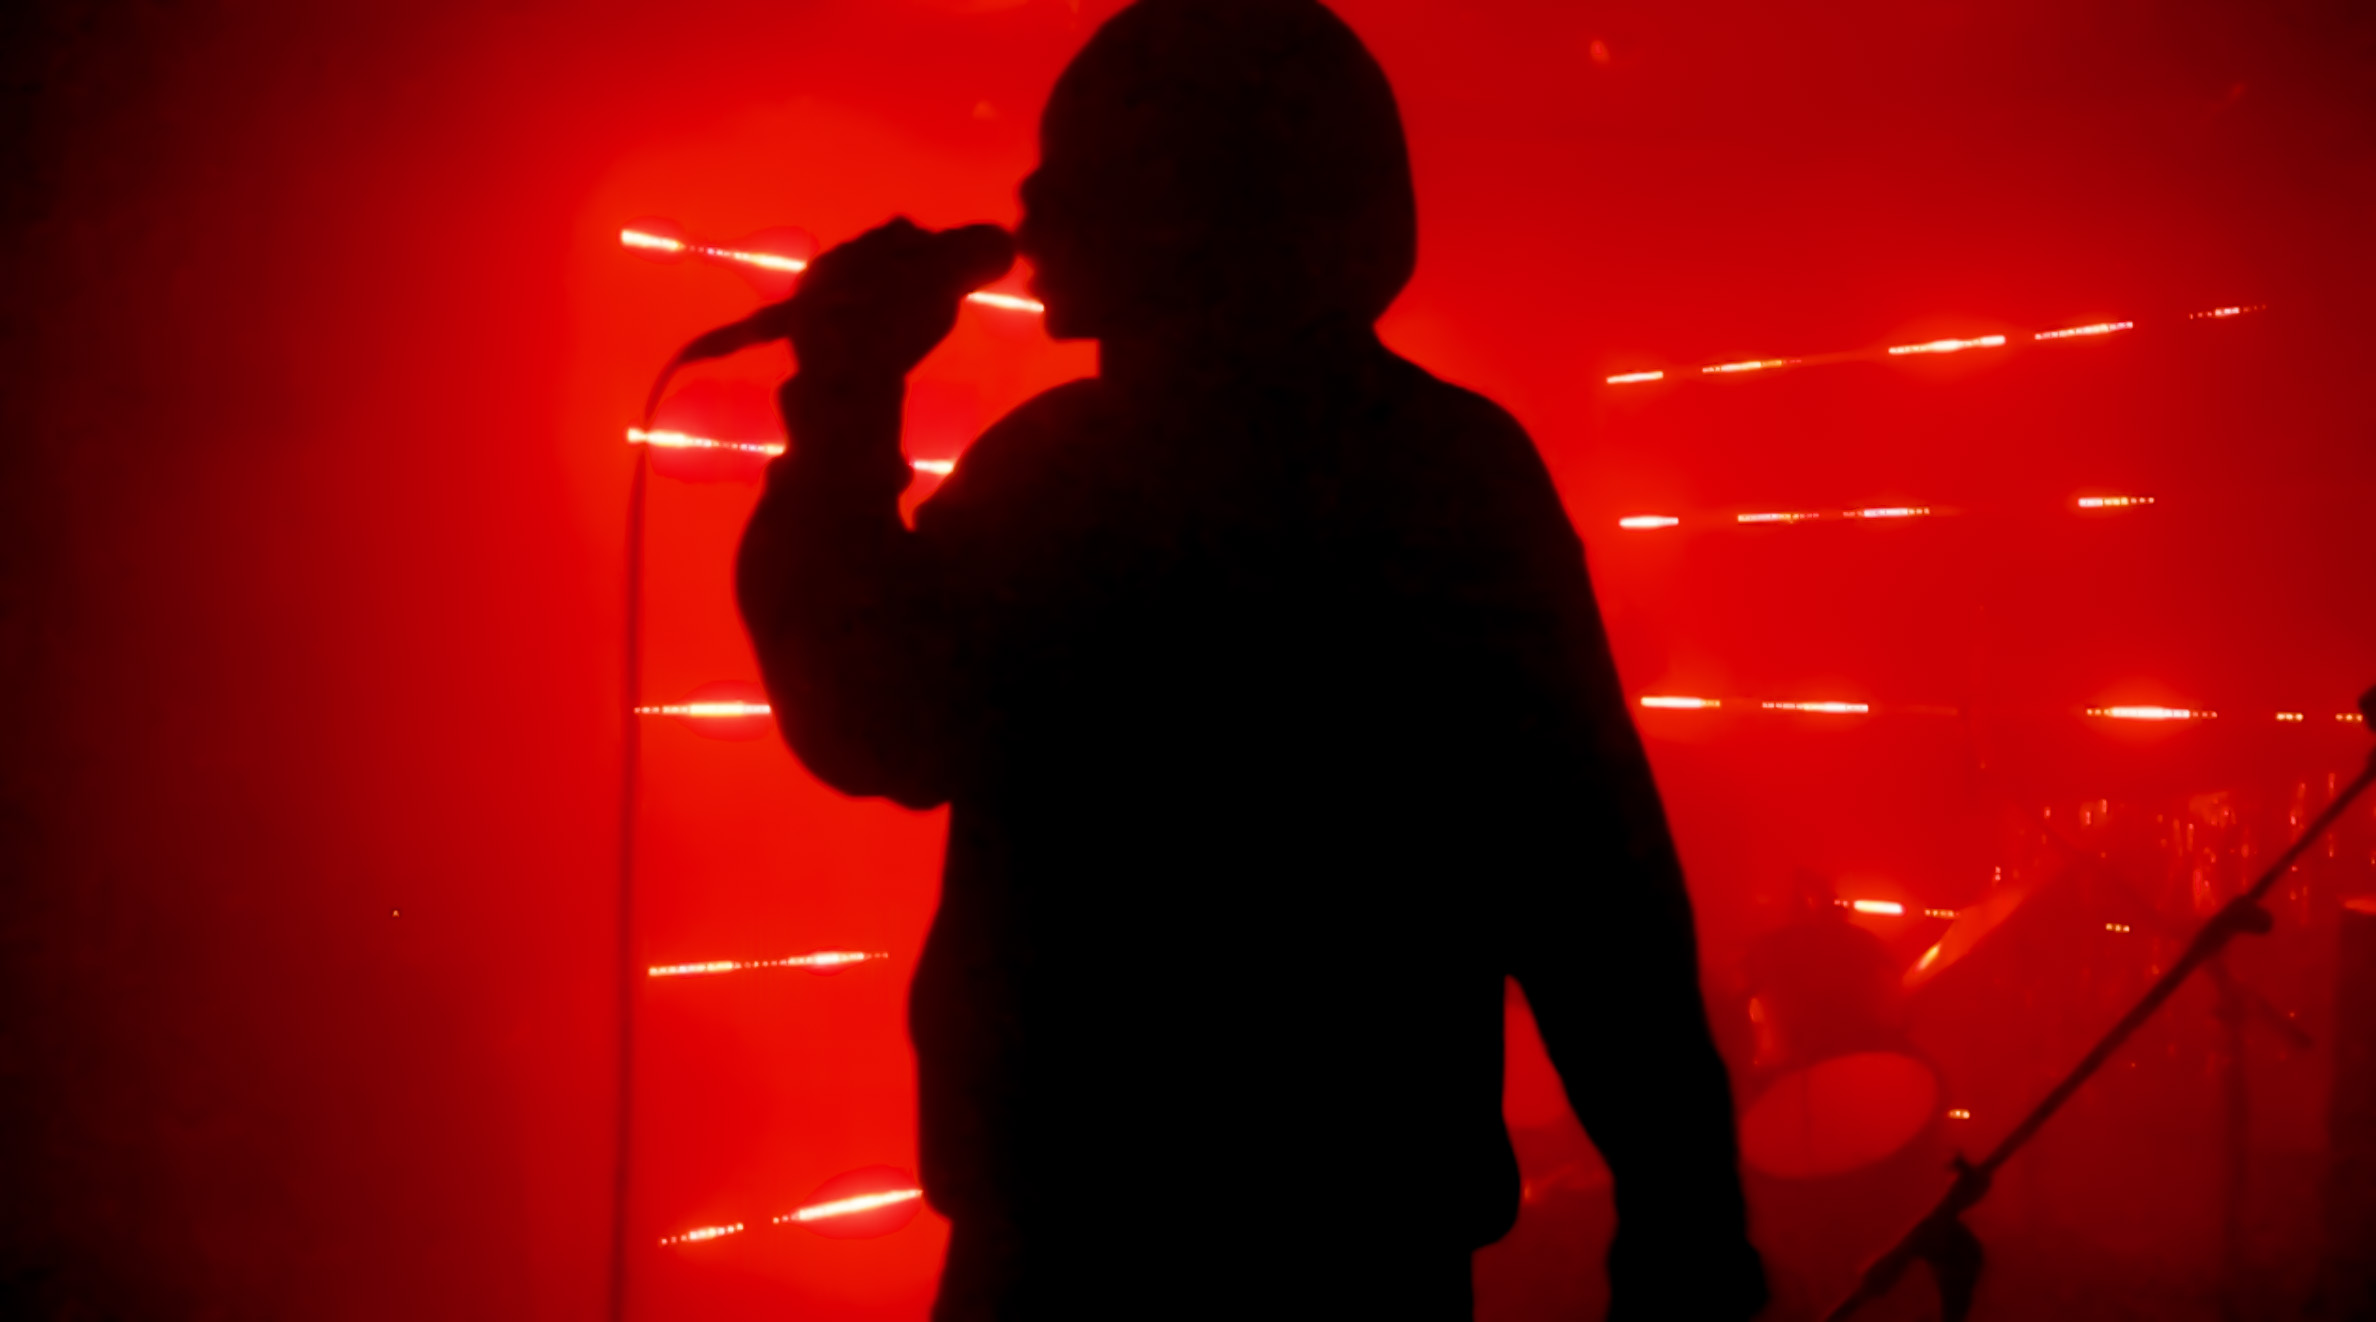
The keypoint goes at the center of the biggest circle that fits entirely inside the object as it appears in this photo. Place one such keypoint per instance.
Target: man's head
(1218, 168)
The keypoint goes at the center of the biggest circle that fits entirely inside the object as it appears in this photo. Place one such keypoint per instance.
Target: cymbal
(1973, 924)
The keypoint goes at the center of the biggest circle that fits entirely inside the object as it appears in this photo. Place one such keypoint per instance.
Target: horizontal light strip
(1789, 516)
(2089, 331)
(1640, 521)
(677, 440)
(2074, 332)
(1950, 346)
(699, 711)
(635, 238)
(2113, 502)
(822, 959)
(1677, 702)
(865, 1202)
(2151, 713)
(703, 1234)
(1890, 907)
(1891, 512)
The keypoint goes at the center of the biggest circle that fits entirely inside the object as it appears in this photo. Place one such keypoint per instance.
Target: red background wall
(318, 346)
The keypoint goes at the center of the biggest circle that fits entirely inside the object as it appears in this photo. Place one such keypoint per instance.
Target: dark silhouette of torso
(1264, 682)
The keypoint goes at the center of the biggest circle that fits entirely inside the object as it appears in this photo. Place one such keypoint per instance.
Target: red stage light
(2099, 328)
(703, 1234)
(1648, 521)
(1786, 516)
(822, 962)
(1889, 907)
(1892, 512)
(1629, 378)
(1749, 365)
(2113, 502)
(1949, 346)
(722, 709)
(2151, 713)
(2223, 313)
(861, 1204)
(1660, 701)
(2291, 716)
(1820, 708)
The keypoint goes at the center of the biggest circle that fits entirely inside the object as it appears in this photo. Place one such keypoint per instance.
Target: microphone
(964, 257)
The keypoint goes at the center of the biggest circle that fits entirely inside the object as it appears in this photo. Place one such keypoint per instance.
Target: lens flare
(1821, 708)
(2113, 502)
(1629, 378)
(1639, 521)
(1665, 702)
(703, 1234)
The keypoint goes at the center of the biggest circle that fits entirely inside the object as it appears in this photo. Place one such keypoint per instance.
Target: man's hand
(870, 309)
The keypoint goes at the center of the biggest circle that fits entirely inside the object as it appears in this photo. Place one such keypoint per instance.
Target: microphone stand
(1940, 1238)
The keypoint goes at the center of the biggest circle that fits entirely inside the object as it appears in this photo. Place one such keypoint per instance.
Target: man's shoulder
(1467, 444)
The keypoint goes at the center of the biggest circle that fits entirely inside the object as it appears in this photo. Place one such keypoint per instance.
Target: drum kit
(1848, 1124)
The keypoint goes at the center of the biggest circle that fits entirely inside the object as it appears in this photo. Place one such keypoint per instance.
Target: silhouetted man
(1266, 688)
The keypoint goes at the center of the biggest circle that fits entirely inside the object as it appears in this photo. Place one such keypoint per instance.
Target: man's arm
(1601, 936)
(1610, 966)
(849, 612)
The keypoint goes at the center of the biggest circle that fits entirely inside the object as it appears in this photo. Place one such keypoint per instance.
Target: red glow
(703, 1234)
(1820, 708)
(1648, 521)
(2099, 328)
(1663, 702)
(821, 962)
(1847, 1112)
(2223, 313)
(1949, 346)
(1749, 365)
(860, 1204)
(2151, 713)
(1786, 516)
(1893, 512)
(1629, 378)
(1889, 907)
(2113, 502)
